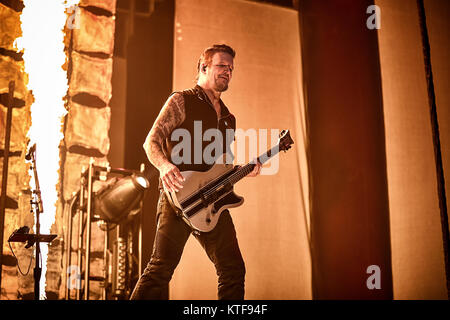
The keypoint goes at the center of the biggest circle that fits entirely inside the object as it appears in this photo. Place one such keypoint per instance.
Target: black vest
(200, 117)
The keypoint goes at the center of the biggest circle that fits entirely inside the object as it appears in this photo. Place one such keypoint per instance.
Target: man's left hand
(256, 170)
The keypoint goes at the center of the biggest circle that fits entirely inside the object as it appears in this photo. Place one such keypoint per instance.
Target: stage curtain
(416, 237)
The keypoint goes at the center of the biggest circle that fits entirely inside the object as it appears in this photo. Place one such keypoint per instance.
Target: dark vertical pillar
(436, 138)
(149, 83)
(350, 209)
(3, 197)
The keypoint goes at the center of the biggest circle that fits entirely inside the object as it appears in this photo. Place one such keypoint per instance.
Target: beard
(221, 84)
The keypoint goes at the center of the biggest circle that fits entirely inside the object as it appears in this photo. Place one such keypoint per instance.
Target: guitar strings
(247, 168)
(239, 174)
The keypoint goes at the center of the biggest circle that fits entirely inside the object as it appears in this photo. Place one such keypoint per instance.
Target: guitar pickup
(205, 200)
(215, 194)
(228, 187)
(210, 198)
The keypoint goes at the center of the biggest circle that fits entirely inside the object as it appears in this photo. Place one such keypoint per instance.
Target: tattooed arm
(170, 117)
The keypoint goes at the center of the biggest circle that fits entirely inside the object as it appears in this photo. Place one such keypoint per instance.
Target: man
(184, 110)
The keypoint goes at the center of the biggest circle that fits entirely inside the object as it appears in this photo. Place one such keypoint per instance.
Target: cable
(18, 266)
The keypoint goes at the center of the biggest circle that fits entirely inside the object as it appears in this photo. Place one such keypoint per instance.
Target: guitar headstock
(285, 141)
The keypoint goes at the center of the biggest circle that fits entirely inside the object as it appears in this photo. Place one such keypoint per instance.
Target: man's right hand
(171, 177)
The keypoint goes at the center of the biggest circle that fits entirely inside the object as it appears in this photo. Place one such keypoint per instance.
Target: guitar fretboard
(245, 170)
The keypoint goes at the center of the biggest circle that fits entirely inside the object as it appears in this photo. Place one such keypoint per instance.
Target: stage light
(117, 200)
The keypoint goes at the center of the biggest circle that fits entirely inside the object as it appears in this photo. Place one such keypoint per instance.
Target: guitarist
(184, 110)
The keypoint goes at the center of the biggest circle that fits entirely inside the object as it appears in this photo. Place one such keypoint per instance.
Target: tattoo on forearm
(170, 117)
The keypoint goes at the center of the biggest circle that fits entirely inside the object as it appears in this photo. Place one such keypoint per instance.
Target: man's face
(219, 72)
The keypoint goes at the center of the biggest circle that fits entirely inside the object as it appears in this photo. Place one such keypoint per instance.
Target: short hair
(208, 53)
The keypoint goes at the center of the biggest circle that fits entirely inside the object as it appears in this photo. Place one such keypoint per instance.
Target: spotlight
(119, 198)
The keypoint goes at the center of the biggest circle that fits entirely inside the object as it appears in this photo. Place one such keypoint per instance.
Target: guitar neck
(245, 170)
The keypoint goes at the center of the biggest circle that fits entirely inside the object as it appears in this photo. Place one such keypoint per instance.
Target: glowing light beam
(42, 43)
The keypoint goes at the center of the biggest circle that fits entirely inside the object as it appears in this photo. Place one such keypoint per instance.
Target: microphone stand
(22, 235)
(38, 209)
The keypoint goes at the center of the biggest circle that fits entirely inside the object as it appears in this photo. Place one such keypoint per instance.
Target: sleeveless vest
(200, 117)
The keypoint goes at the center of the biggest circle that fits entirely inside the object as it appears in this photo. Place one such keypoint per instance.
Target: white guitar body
(197, 213)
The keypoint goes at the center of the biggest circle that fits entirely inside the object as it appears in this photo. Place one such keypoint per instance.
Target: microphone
(30, 152)
(21, 230)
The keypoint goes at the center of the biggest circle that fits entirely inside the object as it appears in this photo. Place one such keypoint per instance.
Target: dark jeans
(172, 232)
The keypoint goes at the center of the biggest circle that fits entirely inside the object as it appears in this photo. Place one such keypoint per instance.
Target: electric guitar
(205, 195)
